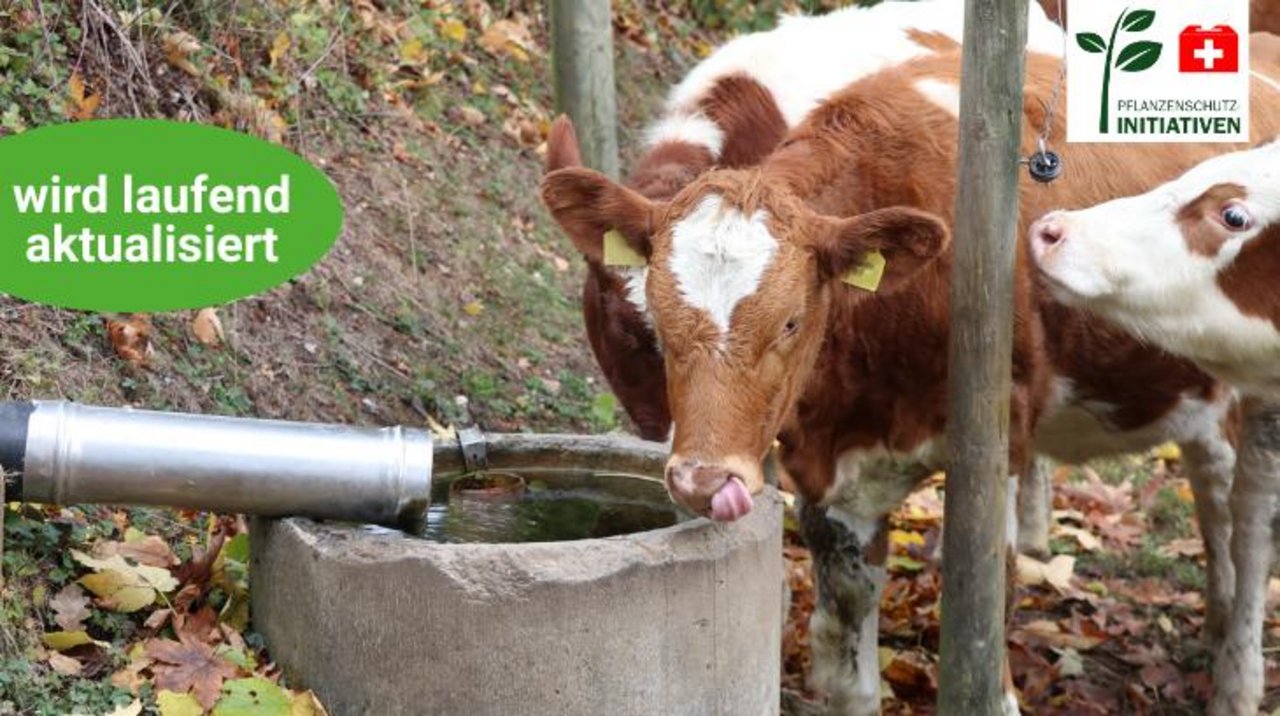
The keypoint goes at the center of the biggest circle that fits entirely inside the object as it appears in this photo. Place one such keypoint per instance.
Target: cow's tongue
(731, 501)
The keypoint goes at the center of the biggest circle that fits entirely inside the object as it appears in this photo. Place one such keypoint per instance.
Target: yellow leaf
(886, 656)
(306, 704)
(507, 36)
(171, 703)
(473, 309)
(1185, 495)
(413, 52)
(82, 106)
(124, 587)
(904, 538)
(1168, 451)
(63, 640)
(116, 592)
(454, 30)
(279, 47)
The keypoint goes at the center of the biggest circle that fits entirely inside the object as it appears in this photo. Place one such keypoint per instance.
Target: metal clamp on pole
(475, 449)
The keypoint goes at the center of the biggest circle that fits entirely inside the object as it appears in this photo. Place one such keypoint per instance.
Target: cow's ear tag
(617, 252)
(867, 275)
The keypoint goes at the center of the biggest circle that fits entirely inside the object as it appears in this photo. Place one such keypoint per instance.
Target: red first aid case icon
(1215, 49)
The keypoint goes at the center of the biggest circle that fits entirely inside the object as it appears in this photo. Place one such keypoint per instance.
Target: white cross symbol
(1208, 55)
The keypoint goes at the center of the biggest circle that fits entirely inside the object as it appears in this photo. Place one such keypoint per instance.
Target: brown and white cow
(761, 337)
(1194, 266)
(731, 111)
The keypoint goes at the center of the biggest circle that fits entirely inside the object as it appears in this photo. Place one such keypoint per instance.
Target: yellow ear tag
(617, 252)
(867, 275)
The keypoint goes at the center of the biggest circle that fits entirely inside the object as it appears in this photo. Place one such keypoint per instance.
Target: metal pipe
(67, 453)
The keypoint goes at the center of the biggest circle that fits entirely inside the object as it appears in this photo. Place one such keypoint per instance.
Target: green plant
(1136, 57)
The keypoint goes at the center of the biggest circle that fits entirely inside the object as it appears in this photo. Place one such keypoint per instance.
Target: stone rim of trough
(493, 569)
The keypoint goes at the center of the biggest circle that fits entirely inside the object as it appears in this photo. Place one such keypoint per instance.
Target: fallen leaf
(70, 608)
(454, 30)
(1168, 451)
(471, 116)
(131, 339)
(1070, 663)
(1051, 633)
(207, 327)
(473, 308)
(149, 550)
(190, 667)
(158, 618)
(121, 586)
(1057, 573)
(172, 703)
(64, 640)
(509, 37)
(132, 709)
(1087, 540)
(279, 46)
(178, 48)
(306, 704)
(1183, 547)
(64, 664)
(130, 677)
(82, 106)
(254, 696)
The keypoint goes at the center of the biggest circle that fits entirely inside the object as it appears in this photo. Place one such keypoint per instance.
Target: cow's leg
(1013, 534)
(1238, 673)
(845, 627)
(1035, 507)
(1209, 464)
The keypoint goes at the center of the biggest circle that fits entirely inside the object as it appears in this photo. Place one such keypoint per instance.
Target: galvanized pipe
(67, 453)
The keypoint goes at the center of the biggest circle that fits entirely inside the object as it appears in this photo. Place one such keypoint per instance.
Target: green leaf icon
(1139, 56)
(1089, 42)
(1139, 20)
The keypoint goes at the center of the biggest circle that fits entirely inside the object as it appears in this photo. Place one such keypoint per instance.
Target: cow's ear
(587, 205)
(879, 250)
(562, 146)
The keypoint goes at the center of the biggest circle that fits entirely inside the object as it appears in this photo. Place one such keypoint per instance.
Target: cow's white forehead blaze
(719, 255)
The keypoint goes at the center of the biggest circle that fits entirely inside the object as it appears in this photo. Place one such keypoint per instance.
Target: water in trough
(540, 505)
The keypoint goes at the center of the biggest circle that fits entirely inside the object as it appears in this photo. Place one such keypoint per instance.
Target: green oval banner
(149, 215)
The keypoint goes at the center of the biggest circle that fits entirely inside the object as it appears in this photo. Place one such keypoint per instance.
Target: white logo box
(1178, 93)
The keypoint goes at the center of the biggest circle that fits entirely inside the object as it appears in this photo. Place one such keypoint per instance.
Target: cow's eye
(1237, 217)
(789, 329)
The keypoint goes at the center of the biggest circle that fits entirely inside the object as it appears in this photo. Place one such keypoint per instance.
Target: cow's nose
(1048, 233)
(712, 490)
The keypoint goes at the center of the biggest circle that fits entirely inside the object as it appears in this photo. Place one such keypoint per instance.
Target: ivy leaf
(1139, 56)
(1091, 42)
(1139, 20)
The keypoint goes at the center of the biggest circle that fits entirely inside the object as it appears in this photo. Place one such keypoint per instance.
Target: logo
(1126, 83)
(1213, 50)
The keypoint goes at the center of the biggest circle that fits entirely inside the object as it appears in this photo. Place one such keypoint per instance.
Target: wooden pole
(973, 576)
(582, 56)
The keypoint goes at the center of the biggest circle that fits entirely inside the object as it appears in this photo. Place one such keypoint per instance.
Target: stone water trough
(683, 619)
